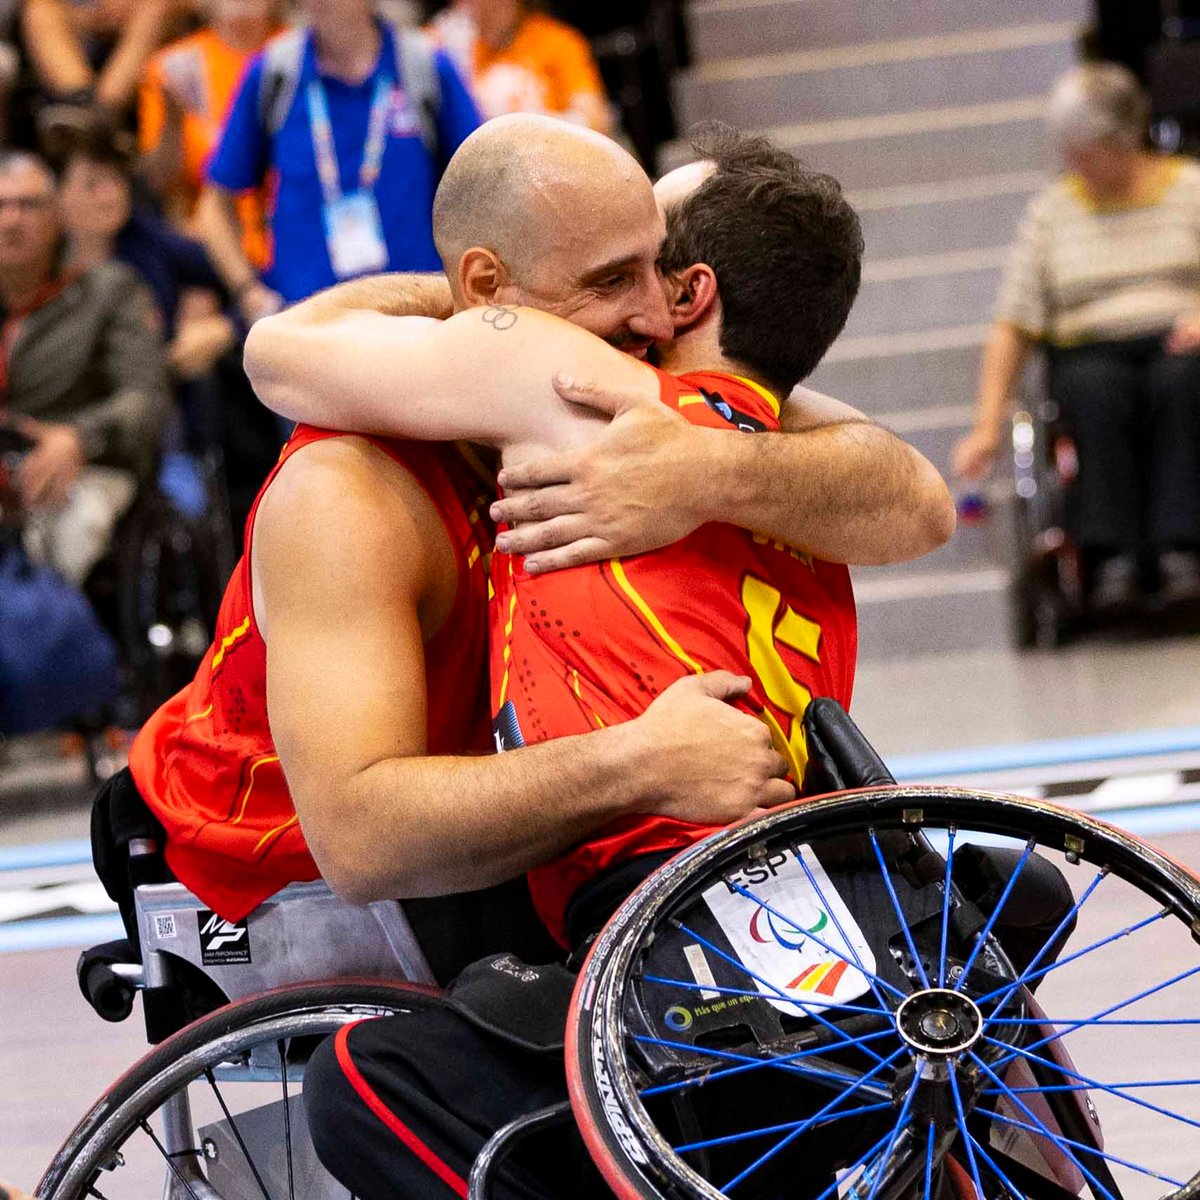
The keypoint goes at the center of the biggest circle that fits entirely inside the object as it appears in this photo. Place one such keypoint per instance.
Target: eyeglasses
(25, 204)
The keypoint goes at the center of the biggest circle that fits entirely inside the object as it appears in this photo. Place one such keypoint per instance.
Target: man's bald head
(520, 182)
(556, 212)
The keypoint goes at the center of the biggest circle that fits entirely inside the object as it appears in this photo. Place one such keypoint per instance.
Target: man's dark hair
(786, 248)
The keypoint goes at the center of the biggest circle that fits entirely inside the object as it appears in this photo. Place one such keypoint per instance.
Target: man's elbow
(939, 516)
(265, 358)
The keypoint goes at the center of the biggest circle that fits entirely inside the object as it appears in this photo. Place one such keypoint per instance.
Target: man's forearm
(399, 294)
(429, 826)
(847, 492)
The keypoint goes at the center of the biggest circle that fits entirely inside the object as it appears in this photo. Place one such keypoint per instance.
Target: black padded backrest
(839, 756)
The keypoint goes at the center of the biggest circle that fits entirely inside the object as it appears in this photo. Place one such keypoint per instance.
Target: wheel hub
(939, 1023)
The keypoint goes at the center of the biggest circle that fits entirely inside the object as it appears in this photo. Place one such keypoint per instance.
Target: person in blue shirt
(351, 150)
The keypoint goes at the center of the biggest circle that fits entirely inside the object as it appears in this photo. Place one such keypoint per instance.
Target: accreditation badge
(354, 235)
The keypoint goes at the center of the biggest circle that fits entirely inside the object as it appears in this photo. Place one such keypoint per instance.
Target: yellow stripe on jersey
(207, 712)
(227, 641)
(271, 834)
(762, 391)
(579, 696)
(652, 618)
(684, 401)
(473, 557)
(268, 758)
(508, 628)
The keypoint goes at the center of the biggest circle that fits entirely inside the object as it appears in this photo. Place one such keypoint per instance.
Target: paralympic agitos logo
(787, 933)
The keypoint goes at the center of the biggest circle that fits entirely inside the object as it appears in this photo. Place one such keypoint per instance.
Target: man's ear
(481, 275)
(693, 295)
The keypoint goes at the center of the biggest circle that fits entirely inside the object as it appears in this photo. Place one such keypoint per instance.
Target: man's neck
(19, 286)
(349, 52)
(87, 251)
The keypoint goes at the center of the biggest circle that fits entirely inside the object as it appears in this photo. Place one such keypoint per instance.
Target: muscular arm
(484, 374)
(834, 483)
(343, 552)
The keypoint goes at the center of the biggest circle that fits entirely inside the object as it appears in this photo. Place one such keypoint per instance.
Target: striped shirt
(1084, 271)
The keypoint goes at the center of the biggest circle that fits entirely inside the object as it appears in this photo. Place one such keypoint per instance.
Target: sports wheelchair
(1051, 593)
(804, 1004)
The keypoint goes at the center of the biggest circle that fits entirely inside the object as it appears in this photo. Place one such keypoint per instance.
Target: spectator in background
(184, 97)
(93, 54)
(104, 223)
(354, 120)
(83, 376)
(1106, 275)
(517, 59)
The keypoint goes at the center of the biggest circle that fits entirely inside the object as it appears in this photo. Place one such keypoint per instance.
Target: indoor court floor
(1112, 729)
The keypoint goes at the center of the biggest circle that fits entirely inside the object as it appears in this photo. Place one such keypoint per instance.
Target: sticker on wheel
(793, 934)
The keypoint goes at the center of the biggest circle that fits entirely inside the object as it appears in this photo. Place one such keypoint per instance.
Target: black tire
(606, 1071)
(306, 1011)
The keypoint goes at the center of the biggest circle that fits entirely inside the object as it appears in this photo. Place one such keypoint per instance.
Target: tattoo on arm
(499, 317)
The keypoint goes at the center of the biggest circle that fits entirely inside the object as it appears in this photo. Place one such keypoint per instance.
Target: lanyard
(322, 137)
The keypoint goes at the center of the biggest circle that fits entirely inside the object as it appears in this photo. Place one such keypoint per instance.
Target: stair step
(900, 148)
(723, 28)
(877, 79)
(913, 381)
(947, 218)
(900, 296)
(902, 614)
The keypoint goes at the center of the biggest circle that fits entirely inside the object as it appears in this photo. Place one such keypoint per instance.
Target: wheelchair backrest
(301, 933)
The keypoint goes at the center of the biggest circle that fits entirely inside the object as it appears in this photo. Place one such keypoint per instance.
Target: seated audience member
(517, 59)
(1105, 275)
(94, 53)
(103, 223)
(85, 376)
(353, 120)
(184, 97)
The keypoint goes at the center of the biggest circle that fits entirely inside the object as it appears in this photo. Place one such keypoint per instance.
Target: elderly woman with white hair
(1105, 275)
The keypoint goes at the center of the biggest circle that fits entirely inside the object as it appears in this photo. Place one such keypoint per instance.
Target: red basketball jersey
(205, 762)
(580, 649)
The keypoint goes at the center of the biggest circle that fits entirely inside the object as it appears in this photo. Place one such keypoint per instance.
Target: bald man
(336, 724)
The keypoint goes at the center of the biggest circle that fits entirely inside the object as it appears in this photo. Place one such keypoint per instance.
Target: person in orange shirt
(517, 59)
(183, 101)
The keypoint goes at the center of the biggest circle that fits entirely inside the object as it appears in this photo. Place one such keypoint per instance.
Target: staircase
(930, 115)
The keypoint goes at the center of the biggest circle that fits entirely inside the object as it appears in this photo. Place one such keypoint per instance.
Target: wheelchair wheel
(807, 1004)
(216, 1109)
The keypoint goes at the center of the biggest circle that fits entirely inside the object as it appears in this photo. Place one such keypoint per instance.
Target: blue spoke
(1077, 1022)
(1092, 1083)
(995, 1170)
(691, 985)
(1041, 1129)
(802, 1005)
(849, 1171)
(812, 937)
(982, 937)
(966, 1133)
(1066, 1141)
(749, 1063)
(1025, 976)
(1030, 976)
(929, 1165)
(946, 890)
(1083, 1087)
(787, 1127)
(1158, 987)
(791, 1137)
(891, 890)
(873, 980)
(901, 1124)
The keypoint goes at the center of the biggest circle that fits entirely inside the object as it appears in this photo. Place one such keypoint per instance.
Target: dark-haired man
(402, 1107)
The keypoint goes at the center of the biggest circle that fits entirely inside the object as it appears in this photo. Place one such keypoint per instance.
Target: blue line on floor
(924, 767)
(47, 933)
(46, 854)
